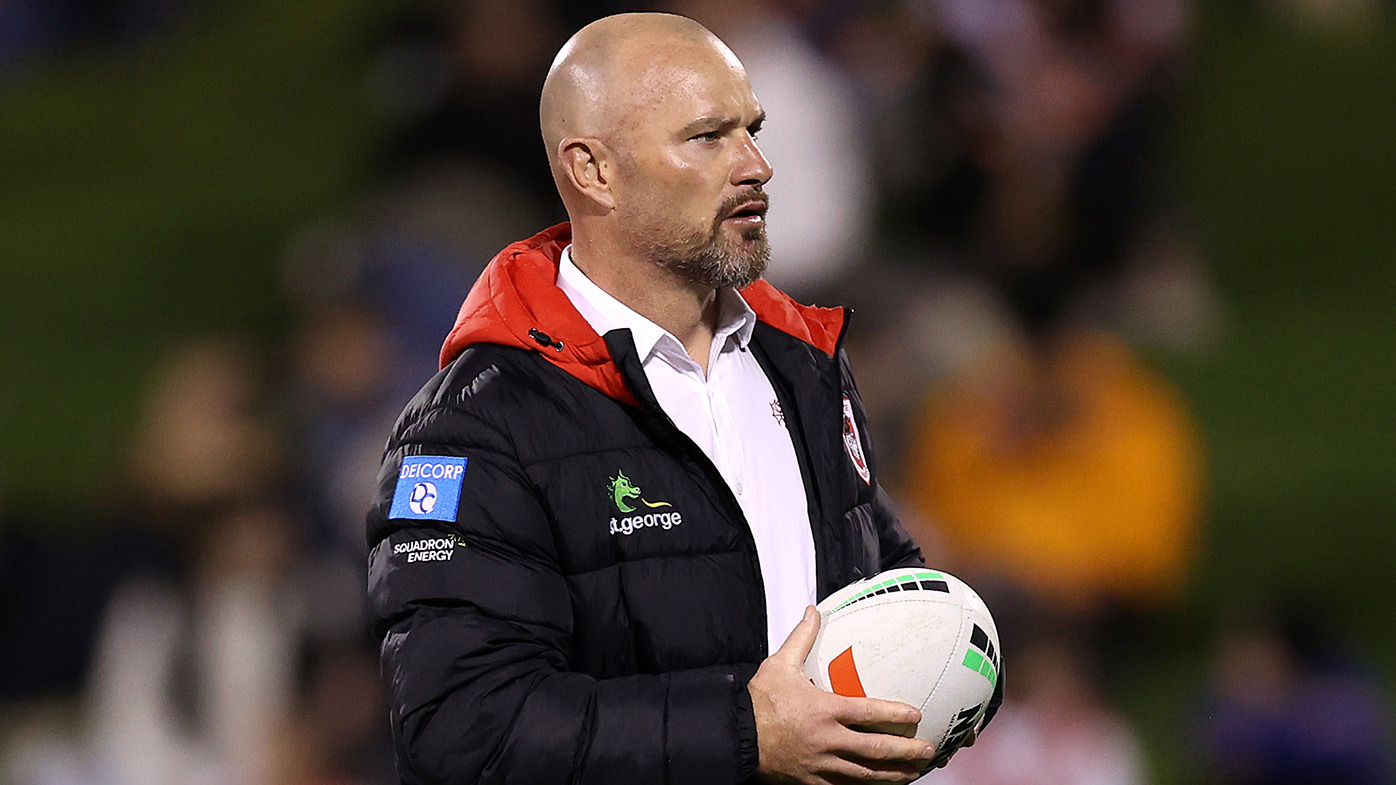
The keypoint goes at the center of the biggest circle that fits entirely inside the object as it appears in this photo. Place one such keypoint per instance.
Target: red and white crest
(853, 444)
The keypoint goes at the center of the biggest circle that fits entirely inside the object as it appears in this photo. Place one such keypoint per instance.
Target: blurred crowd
(985, 182)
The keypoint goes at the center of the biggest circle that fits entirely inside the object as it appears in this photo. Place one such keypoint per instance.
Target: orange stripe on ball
(843, 676)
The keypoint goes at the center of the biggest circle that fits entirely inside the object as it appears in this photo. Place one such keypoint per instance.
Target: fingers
(886, 748)
(801, 639)
(839, 769)
(808, 734)
(874, 711)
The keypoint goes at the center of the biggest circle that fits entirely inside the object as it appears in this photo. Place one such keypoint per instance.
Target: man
(630, 480)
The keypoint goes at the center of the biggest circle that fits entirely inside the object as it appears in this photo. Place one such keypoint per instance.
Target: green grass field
(1288, 160)
(148, 197)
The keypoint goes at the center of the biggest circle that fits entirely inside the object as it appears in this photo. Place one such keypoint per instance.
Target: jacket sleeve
(896, 548)
(476, 623)
(894, 543)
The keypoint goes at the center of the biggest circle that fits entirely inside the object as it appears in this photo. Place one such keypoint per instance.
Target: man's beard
(712, 259)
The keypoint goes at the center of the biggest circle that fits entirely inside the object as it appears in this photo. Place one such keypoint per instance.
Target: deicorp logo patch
(428, 488)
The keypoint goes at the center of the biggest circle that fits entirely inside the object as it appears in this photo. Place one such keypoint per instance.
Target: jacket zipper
(622, 347)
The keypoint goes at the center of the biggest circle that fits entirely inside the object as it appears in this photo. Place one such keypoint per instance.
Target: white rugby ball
(915, 635)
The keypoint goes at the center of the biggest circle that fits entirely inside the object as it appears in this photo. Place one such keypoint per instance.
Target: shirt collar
(605, 313)
(734, 317)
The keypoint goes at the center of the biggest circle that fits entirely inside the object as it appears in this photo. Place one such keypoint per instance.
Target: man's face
(690, 196)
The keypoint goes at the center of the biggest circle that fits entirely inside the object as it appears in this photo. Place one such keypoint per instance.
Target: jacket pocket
(861, 542)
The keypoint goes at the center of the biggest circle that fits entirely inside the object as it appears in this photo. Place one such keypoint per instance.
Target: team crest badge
(853, 444)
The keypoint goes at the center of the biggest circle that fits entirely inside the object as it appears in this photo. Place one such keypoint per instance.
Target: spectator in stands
(1292, 704)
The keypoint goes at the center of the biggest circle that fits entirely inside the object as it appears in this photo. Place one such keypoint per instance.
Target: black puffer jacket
(539, 624)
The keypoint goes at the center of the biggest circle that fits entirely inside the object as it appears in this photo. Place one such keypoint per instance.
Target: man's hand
(807, 735)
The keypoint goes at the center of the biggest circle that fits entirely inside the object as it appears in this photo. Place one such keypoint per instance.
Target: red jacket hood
(517, 295)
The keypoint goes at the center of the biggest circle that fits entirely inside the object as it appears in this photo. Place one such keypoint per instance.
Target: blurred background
(1123, 296)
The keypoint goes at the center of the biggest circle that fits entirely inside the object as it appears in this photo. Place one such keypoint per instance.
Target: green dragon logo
(622, 491)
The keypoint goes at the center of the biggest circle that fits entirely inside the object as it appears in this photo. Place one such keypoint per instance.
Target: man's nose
(752, 168)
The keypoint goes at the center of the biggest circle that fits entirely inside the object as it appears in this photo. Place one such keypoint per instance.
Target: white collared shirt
(733, 415)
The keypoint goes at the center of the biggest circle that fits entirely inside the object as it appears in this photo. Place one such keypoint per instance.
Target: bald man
(600, 527)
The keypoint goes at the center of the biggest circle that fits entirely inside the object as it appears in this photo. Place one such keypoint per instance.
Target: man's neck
(686, 311)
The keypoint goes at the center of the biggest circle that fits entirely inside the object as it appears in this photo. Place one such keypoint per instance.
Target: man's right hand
(807, 735)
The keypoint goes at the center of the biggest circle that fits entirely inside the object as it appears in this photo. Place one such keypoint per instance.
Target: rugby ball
(914, 635)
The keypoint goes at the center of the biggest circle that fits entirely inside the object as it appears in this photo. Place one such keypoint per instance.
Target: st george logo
(622, 491)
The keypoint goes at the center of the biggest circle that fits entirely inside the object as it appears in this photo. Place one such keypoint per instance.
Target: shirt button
(739, 489)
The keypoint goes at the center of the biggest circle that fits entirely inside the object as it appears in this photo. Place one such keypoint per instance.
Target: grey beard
(713, 263)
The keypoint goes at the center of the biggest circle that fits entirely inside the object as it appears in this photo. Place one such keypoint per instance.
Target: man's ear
(587, 165)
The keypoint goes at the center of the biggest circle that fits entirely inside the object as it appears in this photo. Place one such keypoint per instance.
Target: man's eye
(710, 136)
